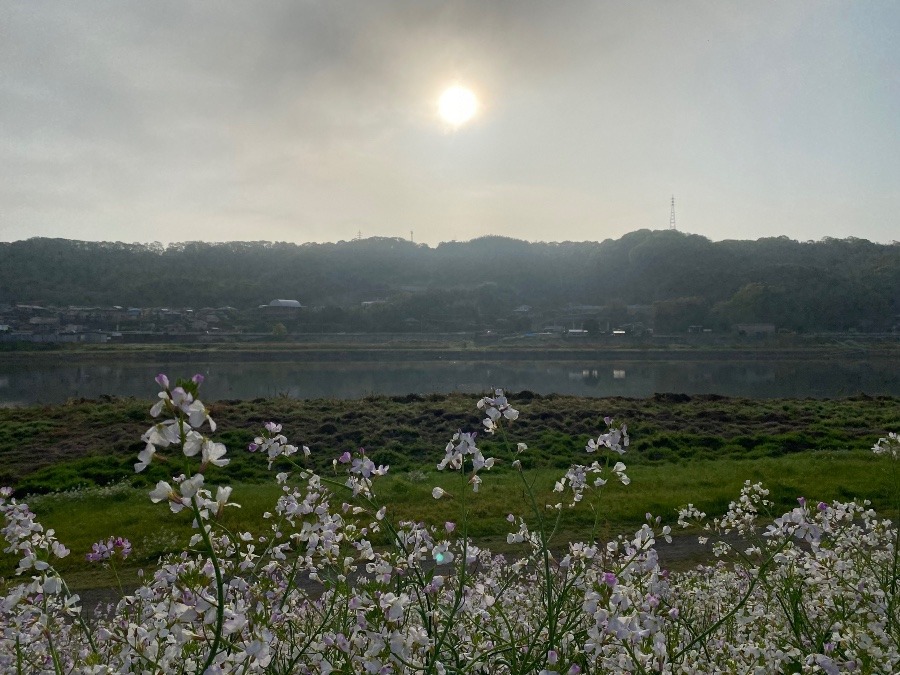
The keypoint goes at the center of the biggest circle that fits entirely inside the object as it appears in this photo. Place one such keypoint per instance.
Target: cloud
(310, 120)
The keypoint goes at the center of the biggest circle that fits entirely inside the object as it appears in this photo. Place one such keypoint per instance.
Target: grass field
(95, 442)
(74, 462)
(81, 517)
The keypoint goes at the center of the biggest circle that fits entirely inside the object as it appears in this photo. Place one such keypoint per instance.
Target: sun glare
(457, 105)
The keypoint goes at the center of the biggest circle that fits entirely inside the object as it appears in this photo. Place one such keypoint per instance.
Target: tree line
(832, 284)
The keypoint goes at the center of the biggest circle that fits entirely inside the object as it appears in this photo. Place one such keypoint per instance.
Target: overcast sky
(313, 121)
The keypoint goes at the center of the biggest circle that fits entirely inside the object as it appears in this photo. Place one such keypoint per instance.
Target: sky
(307, 121)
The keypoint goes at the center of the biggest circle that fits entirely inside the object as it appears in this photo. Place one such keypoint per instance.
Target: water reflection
(53, 382)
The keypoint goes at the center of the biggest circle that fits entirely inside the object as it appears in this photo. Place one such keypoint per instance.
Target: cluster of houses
(35, 323)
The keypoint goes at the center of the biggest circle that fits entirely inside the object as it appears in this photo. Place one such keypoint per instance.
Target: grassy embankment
(683, 450)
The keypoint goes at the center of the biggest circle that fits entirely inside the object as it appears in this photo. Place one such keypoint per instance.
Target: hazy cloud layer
(309, 121)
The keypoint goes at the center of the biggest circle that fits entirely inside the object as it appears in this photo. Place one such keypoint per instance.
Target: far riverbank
(361, 350)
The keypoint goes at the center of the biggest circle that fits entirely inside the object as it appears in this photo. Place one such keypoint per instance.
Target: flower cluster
(496, 408)
(615, 439)
(274, 444)
(334, 585)
(462, 454)
(188, 414)
(889, 446)
(104, 550)
(578, 478)
(361, 472)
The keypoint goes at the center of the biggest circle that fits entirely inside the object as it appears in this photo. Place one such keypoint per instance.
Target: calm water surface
(54, 382)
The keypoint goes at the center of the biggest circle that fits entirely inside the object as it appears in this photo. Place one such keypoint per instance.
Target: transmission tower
(672, 215)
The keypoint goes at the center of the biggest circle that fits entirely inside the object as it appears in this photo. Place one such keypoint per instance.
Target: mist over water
(28, 383)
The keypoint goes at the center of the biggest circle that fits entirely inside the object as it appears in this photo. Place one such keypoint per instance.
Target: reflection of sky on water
(55, 382)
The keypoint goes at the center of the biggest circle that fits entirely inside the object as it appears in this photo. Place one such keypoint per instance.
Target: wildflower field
(346, 564)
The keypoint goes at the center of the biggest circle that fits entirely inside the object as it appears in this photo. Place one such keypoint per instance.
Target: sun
(457, 105)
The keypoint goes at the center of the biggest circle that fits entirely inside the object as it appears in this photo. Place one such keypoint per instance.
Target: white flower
(394, 606)
(258, 651)
(52, 585)
(193, 442)
(145, 456)
(495, 408)
(213, 453)
(198, 414)
(162, 435)
(437, 493)
(157, 408)
(223, 492)
(162, 491)
(441, 555)
(190, 486)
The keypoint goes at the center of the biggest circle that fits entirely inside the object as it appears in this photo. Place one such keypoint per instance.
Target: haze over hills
(678, 279)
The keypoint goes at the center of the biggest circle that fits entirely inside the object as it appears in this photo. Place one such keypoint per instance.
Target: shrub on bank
(813, 590)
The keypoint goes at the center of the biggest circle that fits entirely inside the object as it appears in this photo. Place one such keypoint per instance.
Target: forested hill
(832, 284)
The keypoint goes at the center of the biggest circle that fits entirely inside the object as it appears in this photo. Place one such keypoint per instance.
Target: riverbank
(362, 348)
(94, 442)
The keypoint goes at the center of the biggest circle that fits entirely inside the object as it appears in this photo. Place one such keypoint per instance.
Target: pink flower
(104, 550)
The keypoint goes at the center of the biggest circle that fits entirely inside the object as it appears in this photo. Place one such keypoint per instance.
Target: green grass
(694, 449)
(53, 448)
(85, 516)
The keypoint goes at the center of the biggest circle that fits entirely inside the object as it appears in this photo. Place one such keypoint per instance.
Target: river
(56, 380)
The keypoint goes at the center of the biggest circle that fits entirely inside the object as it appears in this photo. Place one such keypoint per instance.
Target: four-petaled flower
(104, 550)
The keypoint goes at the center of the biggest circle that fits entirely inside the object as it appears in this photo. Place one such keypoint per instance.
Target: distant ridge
(833, 284)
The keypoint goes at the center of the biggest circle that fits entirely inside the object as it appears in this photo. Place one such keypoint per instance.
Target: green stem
(550, 617)
(220, 586)
(112, 566)
(18, 656)
(457, 598)
(67, 594)
(734, 610)
(57, 666)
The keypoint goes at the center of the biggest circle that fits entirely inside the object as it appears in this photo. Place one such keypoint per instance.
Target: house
(755, 328)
